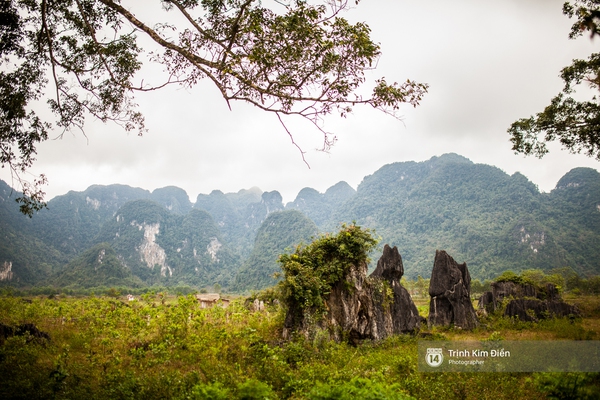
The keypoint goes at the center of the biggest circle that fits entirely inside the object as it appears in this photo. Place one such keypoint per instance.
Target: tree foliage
(84, 57)
(574, 123)
(311, 271)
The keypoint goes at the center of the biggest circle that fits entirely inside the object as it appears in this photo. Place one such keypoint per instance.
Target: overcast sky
(487, 64)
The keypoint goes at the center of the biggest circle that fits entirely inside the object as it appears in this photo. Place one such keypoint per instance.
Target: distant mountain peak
(449, 158)
(578, 177)
(340, 189)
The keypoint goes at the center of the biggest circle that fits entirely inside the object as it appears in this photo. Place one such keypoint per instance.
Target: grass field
(168, 347)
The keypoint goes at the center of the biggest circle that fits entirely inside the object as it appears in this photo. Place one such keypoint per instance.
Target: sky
(487, 65)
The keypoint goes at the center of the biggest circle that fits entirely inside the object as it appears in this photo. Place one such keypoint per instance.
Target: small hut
(208, 300)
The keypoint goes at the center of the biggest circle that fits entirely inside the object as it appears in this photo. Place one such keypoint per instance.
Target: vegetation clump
(510, 276)
(536, 278)
(311, 270)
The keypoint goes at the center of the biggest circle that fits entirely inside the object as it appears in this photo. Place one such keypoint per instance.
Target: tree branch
(156, 37)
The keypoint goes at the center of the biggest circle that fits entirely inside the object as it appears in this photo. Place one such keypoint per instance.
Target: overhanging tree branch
(574, 124)
(305, 61)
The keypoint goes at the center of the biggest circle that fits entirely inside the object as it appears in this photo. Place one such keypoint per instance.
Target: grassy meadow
(165, 346)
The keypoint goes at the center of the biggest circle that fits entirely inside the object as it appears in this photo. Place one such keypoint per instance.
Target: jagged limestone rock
(504, 290)
(526, 302)
(534, 309)
(361, 307)
(450, 291)
(486, 302)
(402, 315)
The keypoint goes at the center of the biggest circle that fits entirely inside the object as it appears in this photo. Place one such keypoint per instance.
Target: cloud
(487, 63)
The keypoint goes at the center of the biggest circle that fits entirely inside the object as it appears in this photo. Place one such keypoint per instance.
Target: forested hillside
(162, 247)
(480, 215)
(239, 215)
(24, 259)
(319, 206)
(97, 266)
(476, 212)
(280, 233)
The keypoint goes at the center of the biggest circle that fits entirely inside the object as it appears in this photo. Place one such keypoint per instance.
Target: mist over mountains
(117, 235)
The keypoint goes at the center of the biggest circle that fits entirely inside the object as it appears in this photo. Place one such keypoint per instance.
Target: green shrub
(357, 388)
(312, 270)
(253, 389)
(572, 385)
(210, 391)
(510, 276)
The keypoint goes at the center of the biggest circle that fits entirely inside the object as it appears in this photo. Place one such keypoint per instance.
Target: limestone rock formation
(489, 301)
(361, 307)
(450, 291)
(526, 301)
(399, 313)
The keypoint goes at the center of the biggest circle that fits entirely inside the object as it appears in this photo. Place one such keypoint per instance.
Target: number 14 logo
(434, 357)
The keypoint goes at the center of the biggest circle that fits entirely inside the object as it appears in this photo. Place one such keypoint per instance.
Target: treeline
(565, 279)
(115, 291)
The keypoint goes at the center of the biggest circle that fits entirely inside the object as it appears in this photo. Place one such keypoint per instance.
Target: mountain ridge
(476, 212)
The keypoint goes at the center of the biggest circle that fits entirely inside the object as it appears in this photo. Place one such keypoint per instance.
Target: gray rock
(486, 302)
(258, 305)
(526, 302)
(535, 309)
(29, 330)
(390, 265)
(450, 291)
(550, 293)
(361, 307)
(502, 290)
